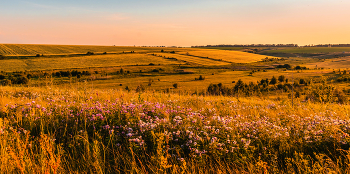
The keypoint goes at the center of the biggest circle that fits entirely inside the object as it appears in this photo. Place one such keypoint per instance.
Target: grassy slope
(32, 50)
(34, 64)
(229, 56)
(309, 50)
(89, 131)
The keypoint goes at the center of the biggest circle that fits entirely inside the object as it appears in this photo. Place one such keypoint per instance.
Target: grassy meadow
(80, 62)
(34, 49)
(111, 109)
(51, 130)
(230, 56)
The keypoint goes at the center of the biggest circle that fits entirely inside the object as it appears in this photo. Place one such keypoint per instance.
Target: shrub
(281, 78)
(58, 74)
(6, 82)
(2, 77)
(2, 57)
(140, 88)
(29, 76)
(20, 80)
(90, 53)
(273, 80)
(175, 85)
(287, 66)
(201, 77)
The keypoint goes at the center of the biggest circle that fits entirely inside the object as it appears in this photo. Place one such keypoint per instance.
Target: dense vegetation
(273, 115)
(67, 131)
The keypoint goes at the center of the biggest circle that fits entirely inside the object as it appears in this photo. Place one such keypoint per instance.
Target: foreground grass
(44, 130)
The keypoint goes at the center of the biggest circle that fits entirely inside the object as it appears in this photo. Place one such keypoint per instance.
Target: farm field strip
(332, 63)
(10, 65)
(200, 61)
(33, 49)
(310, 50)
(229, 56)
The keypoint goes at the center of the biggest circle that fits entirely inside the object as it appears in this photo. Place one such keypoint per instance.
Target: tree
(273, 80)
(2, 57)
(175, 85)
(281, 78)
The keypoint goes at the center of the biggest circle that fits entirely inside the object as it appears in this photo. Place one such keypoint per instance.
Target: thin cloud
(117, 17)
(43, 6)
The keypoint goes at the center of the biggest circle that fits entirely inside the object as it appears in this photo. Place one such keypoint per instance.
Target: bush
(6, 82)
(20, 80)
(29, 76)
(90, 53)
(2, 57)
(281, 78)
(273, 80)
(287, 66)
(2, 77)
(140, 88)
(175, 85)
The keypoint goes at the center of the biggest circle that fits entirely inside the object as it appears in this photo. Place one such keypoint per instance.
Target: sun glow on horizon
(180, 23)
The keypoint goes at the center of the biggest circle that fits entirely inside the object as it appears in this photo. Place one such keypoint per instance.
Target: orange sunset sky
(178, 23)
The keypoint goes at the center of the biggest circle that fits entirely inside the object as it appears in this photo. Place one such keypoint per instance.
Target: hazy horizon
(174, 23)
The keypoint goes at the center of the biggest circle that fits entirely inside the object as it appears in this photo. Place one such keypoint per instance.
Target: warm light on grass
(45, 130)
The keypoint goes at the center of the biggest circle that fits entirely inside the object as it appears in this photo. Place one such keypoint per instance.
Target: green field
(309, 50)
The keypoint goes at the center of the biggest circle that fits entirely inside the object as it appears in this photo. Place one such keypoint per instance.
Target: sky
(174, 23)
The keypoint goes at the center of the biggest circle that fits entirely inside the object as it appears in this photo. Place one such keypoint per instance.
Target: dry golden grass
(335, 63)
(10, 65)
(33, 49)
(229, 56)
(50, 130)
(192, 59)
